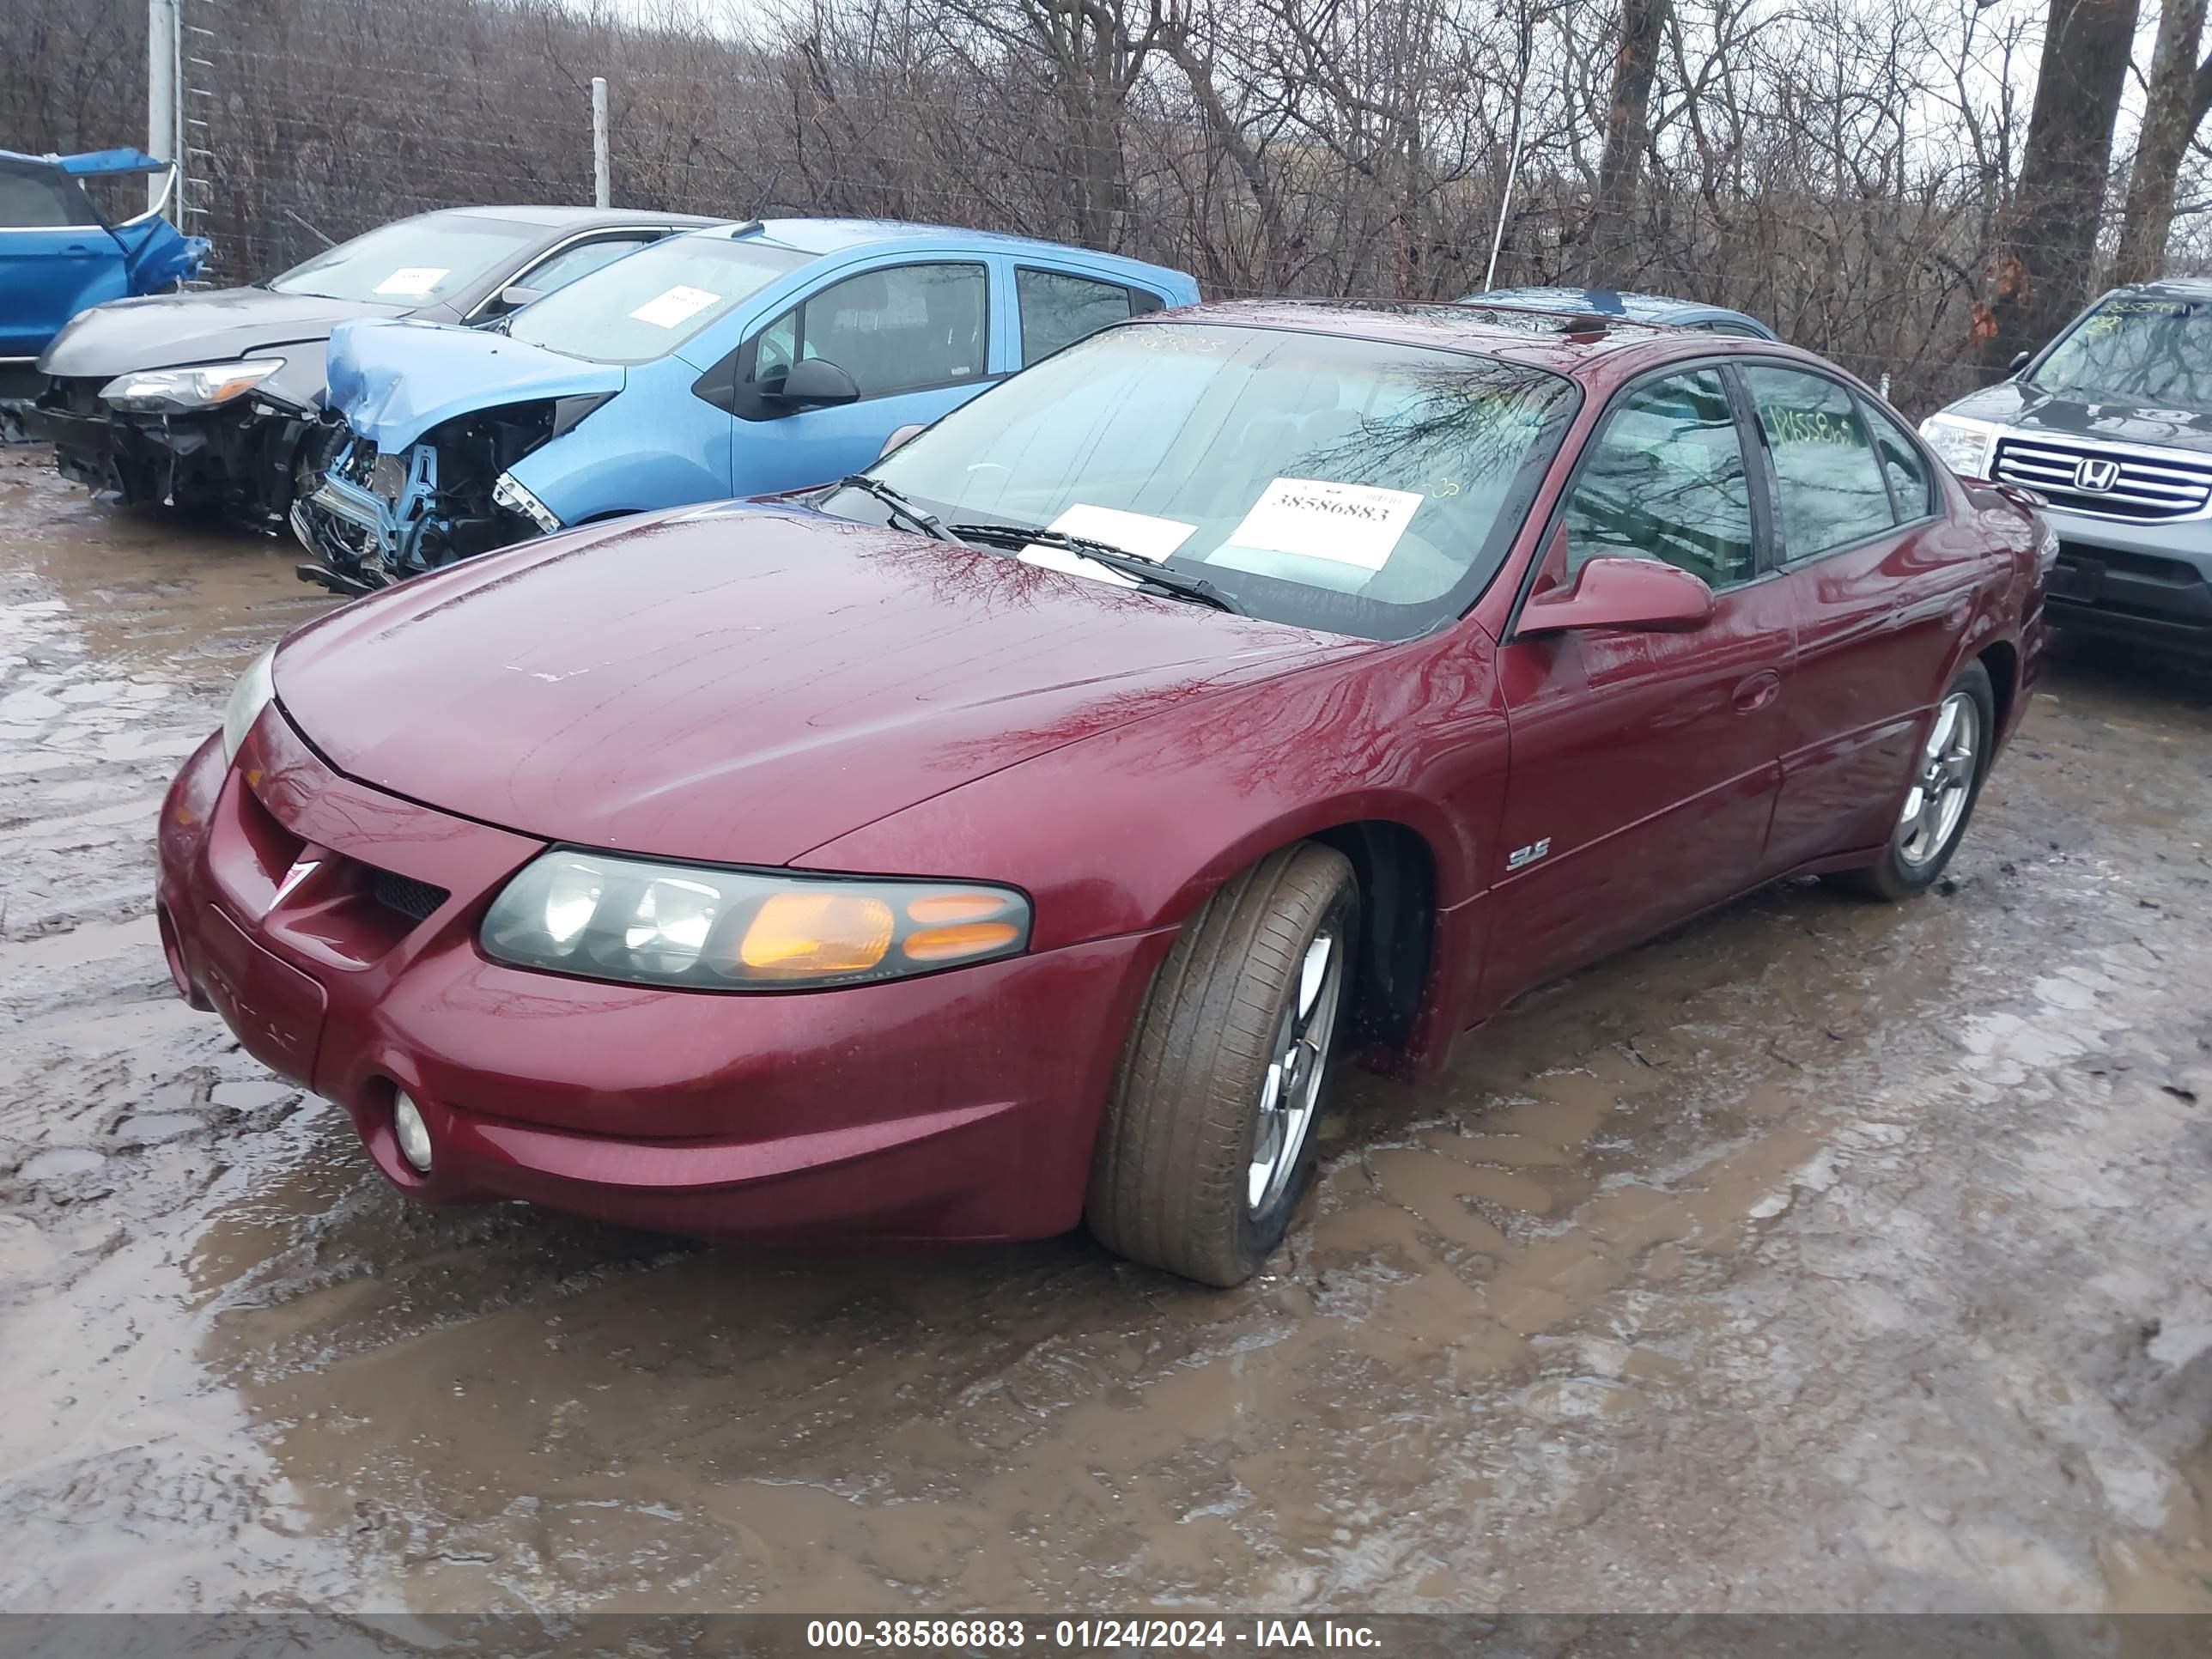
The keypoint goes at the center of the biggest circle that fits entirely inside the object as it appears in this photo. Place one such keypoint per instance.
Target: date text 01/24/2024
(1086, 1634)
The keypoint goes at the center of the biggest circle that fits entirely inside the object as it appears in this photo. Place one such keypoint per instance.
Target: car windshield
(642, 307)
(1354, 485)
(414, 262)
(2149, 352)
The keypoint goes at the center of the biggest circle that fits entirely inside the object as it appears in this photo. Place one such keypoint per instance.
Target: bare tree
(2179, 94)
(2047, 257)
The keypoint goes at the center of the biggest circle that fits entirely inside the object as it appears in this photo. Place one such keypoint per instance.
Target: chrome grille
(2150, 485)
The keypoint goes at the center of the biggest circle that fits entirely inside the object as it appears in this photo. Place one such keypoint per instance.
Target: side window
(901, 330)
(1734, 330)
(1666, 480)
(35, 199)
(570, 263)
(1829, 489)
(778, 349)
(1901, 467)
(1058, 310)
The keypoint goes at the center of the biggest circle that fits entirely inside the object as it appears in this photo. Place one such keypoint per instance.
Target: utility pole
(602, 184)
(163, 50)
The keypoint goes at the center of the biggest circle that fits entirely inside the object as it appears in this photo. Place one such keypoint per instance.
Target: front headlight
(705, 929)
(1962, 446)
(173, 390)
(255, 690)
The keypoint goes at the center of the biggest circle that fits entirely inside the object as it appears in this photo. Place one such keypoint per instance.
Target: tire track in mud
(1816, 1255)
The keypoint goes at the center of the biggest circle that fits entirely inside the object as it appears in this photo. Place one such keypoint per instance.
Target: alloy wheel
(1944, 782)
(1292, 1089)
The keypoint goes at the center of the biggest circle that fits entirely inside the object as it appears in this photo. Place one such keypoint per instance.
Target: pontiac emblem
(301, 870)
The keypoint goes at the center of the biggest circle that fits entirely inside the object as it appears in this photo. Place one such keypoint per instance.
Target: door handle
(1755, 692)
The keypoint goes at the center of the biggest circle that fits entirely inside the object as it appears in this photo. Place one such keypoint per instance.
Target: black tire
(1895, 877)
(318, 449)
(1169, 1178)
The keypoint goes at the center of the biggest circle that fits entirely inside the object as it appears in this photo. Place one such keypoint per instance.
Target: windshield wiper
(1149, 572)
(919, 517)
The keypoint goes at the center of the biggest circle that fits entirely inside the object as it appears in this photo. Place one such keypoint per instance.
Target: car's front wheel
(1948, 769)
(1208, 1142)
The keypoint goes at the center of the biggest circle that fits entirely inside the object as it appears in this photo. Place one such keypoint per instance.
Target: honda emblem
(2096, 475)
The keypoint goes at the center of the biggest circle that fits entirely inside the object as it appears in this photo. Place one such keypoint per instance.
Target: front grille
(416, 900)
(2151, 485)
(2175, 573)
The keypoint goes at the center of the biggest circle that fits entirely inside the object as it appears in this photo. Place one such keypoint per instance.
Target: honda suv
(2112, 424)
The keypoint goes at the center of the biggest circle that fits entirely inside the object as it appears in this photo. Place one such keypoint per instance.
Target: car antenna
(750, 227)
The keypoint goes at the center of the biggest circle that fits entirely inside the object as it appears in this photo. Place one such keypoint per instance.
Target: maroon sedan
(1014, 835)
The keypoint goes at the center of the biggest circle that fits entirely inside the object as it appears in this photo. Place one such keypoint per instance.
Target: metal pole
(602, 184)
(1504, 203)
(162, 49)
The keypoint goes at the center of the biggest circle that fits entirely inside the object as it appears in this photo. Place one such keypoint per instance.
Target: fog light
(414, 1134)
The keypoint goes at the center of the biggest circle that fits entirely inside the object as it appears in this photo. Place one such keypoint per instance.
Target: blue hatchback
(727, 362)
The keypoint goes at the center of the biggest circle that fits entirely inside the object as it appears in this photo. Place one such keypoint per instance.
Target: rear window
(414, 262)
(38, 198)
(642, 309)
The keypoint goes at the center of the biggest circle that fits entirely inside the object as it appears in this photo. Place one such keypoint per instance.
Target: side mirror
(898, 438)
(515, 295)
(2020, 359)
(814, 381)
(1640, 595)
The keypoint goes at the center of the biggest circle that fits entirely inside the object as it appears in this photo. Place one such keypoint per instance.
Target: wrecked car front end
(69, 242)
(380, 516)
(426, 423)
(227, 436)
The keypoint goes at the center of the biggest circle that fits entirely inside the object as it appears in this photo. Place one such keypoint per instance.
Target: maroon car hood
(742, 684)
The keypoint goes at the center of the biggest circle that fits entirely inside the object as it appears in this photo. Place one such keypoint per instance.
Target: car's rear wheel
(1209, 1139)
(1948, 769)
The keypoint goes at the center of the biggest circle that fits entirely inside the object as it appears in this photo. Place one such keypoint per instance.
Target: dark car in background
(2111, 425)
(1634, 307)
(64, 249)
(214, 400)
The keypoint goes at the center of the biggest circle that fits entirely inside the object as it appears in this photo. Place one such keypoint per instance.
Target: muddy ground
(1819, 1255)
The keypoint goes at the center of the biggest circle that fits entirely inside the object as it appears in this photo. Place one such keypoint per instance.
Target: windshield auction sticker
(413, 281)
(1140, 533)
(680, 304)
(1344, 523)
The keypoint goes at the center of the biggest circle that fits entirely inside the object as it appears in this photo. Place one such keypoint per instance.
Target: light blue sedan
(737, 361)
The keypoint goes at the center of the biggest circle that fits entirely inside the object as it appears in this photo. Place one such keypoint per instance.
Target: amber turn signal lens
(958, 940)
(804, 935)
(940, 907)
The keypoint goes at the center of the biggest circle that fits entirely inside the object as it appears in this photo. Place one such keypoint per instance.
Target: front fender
(1131, 829)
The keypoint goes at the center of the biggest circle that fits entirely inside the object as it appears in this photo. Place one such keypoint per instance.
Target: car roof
(576, 218)
(1615, 302)
(1576, 344)
(91, 162)
(1560, 341)
(827, 236)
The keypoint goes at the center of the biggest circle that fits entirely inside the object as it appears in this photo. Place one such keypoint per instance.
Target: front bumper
(236, 460)
(962, 1105)
(2150, 583)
